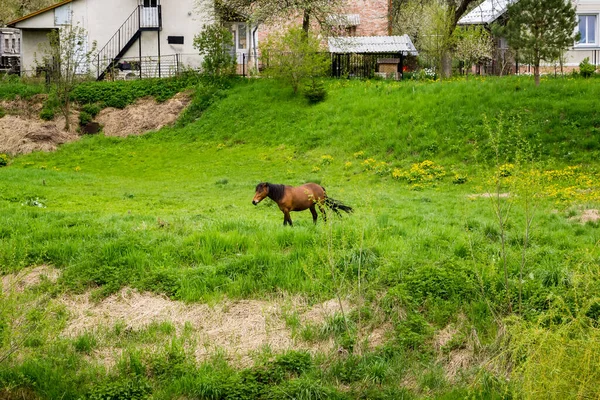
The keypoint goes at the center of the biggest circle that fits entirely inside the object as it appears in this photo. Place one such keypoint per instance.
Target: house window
(350, 30)
(242, 36)
(150, 3)
(6, 46)
(13, 44)
(587, 29)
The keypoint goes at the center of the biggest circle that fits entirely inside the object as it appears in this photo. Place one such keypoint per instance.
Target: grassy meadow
(468, 199)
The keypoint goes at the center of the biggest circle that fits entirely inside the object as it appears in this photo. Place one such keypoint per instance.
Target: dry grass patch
(142, 116)
(29, 277)
(239, 329)
(590, 215)
(21, 135)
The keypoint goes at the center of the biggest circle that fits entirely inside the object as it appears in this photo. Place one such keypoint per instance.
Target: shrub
(3, 160)
(213, 44)
(47, 114)
(586, 69)
(84, 118)
(315, 92)
(91, 109)
(293, 57)
(122, 389)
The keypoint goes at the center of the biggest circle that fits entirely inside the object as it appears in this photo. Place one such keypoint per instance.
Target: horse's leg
(323, 212)
(287, 218)
(314, 213)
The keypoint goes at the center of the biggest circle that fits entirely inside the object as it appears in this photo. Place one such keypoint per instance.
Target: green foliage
(293, 57)
(134, 388)
(91, 109)
(540, 30)
(47, 114)
(2, 112)
(214, 43)
(13, 87)
(119, 94)
(85, 343)
(473, 44)
(315, 92)
(586, 68)
(67, 63)
(4, 159)
(84, 118)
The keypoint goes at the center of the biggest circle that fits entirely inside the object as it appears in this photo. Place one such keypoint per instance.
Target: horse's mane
(276, 191)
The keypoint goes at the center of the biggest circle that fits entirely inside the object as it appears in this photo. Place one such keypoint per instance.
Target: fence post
(244, 65)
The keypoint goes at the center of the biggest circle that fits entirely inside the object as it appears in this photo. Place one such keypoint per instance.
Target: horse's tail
(336, 206)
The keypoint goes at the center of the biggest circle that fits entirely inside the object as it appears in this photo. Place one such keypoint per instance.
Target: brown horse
(299, 198)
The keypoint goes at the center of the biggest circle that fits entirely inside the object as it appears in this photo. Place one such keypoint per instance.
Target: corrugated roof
(486, 12)
(372, 44)
(33, 14)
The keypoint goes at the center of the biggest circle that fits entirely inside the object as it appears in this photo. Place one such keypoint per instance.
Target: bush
(586, 69)
(91, 109)
(3, 160)
(84, 118)
(213, 43)
(47, 114)
(121, 93)
(315, 92)
(122, 389)
(293, 57)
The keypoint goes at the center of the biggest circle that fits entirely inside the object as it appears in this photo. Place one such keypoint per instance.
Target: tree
(66, 59)
(540, 30)
(294, 57)
(473, 44)
(436, 41)
(13, 9)
(275, 11)
(213, 43)
(431, 25)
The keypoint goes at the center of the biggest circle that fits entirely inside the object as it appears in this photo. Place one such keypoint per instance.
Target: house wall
(581, 51)
(179, 18)
(374, 19)
(102, 18)
(31, 42)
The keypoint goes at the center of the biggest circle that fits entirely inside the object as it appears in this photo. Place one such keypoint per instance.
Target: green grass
(12, 87)
(170, 212)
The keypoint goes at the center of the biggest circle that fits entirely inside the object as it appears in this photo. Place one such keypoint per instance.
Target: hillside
(138, 268)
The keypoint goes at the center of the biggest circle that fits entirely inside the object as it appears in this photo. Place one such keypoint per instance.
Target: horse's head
(262, 191)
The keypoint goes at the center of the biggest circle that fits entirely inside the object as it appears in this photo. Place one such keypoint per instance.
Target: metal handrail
(118, 43)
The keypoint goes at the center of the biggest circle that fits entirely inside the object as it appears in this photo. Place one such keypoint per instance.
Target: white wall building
(588, 14)
(146, 38)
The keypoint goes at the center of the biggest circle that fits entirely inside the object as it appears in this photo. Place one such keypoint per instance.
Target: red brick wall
(374, 20)
(373, 16)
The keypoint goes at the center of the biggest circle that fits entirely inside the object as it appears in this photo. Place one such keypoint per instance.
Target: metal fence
(166, 66)
(366, 65)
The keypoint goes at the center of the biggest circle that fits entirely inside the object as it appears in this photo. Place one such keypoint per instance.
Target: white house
(588, 12)
(147, 38)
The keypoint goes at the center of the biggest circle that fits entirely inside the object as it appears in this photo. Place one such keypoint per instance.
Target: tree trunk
(67, 115)
(306, 21)
(536, 73)
(446, 70)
